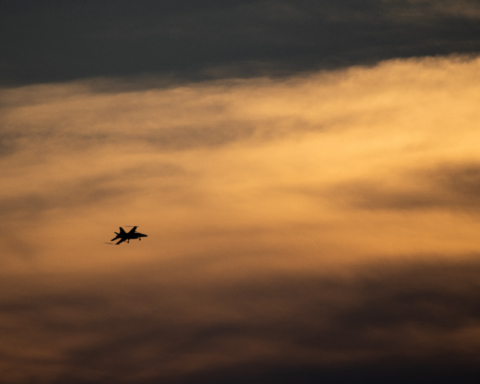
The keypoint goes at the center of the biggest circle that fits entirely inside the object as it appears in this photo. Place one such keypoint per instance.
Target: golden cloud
(278, 212)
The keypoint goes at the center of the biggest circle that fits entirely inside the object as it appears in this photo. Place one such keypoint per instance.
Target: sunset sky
(307, 173)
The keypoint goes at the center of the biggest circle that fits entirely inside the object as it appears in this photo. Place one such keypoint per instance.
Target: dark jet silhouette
(128, 235)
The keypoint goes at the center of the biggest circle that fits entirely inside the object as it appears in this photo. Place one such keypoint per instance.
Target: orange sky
(280, 213)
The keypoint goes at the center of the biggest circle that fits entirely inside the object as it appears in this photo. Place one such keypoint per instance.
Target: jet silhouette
(128, 235)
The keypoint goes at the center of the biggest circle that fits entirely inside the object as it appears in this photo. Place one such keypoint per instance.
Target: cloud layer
(196, 326)
(298, 227)
(62, 41)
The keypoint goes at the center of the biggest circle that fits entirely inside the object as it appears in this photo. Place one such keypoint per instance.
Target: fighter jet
(128, 235)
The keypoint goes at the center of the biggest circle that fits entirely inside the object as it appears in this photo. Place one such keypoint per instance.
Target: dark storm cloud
(62, 40)
(175, 324)
(448, 186)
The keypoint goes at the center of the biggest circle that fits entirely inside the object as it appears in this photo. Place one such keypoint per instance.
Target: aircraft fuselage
(131, 235)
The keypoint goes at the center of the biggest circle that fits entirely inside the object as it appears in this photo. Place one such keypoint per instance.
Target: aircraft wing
(133, 230)
(121, 241)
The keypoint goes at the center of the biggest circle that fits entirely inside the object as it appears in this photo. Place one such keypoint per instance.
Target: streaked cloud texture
(321, 226)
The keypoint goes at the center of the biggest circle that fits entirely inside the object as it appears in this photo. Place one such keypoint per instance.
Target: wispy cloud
(312, 221)
(447, 186)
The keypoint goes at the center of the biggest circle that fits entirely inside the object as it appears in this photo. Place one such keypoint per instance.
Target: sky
(307, 173)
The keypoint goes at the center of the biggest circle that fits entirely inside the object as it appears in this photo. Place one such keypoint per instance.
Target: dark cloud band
(141, 326)
(68, 40)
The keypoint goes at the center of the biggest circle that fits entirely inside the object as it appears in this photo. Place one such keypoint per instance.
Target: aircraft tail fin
(122, 231)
